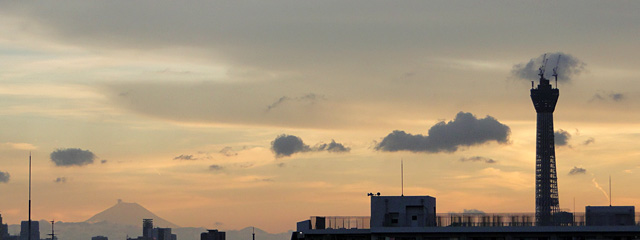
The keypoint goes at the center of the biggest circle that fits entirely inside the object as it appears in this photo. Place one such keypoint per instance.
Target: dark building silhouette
(4, 230)
(610, 215)
(544, 99)
(163, 234)
(147, 228)
(99, 238)
(213, 235)
(150, 233)
(35, 230)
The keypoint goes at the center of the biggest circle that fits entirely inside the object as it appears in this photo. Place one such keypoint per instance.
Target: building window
(414, 218)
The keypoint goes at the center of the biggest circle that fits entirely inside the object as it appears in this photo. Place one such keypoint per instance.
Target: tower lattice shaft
(544, 99)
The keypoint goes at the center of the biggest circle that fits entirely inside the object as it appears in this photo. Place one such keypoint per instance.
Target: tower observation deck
(544, 99)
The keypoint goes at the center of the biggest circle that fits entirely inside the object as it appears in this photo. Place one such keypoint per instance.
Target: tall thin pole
(610, 191)
(29, 196)
(402, 175)
(53, 233)
(574, 211)
(253, 234)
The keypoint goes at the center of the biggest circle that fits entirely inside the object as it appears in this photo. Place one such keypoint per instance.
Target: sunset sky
(228, 114)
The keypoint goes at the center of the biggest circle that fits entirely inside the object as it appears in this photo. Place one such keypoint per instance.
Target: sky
(228, 114)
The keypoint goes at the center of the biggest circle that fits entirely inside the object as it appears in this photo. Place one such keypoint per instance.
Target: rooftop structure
(618, 223)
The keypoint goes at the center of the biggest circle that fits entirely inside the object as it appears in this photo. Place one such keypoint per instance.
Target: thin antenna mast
(555, 70)
(574, 211)
(541, 69)
(253, 234)
(610, 190)
(402, 175)
(29, 196)
(53, 233)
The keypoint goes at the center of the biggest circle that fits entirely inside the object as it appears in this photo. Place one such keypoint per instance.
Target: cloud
(216, 167)
(616, 96)
(577, 170)
(228, 151)
(568, 67)
(103, 161)
(309, 98)
(561, 137)
(589, 141)
(72, 157)
(4, 177)
(478, 158)
(613, 96)
(286, 145)
(19, 146)
(185, 157)
(465, 130)
(60, 180)
(332, 147)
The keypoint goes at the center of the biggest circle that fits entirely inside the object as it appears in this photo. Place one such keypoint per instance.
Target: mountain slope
(129, 214)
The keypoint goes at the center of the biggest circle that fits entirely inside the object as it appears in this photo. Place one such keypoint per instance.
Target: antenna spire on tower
(555, 70)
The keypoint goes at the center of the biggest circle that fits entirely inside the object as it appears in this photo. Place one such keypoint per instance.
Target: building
(382, 226)
(4, 230)
(99, 238)
(213, 235)
(35, 230)
(544, 99)
(610, 216)
(147, 228)
(163, 234)
(409, 211)
(150, 233)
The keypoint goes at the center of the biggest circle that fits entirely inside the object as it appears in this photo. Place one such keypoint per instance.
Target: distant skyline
(233, 114)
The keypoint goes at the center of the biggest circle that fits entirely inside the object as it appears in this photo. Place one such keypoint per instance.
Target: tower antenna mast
(29, 225)
(555, 70)
(544, 64)
(53, 233)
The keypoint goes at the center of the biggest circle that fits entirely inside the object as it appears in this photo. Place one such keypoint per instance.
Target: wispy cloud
(478, 159)
(577, 171)
(19, 146)
(60, 180)
(185, 157)
(309, 99)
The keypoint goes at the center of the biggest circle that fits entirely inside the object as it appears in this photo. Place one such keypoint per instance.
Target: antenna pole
(609, 190)
(253, 234)
(402, 175)
(574, 211)
(29, 196)
(53, 233)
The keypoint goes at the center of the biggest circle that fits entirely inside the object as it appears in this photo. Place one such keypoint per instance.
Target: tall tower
(544, 99)
(147, 228)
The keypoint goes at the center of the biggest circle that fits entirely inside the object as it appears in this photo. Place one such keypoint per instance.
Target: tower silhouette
(544, 99)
